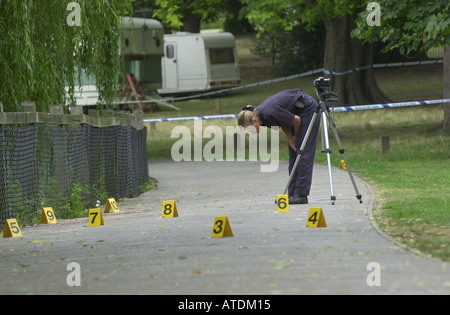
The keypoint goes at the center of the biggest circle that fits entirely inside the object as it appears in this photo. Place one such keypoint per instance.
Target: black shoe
(298, 200)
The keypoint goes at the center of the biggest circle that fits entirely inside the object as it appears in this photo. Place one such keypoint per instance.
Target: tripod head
(323, 92)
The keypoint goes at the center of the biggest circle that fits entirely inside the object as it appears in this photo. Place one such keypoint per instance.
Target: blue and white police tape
(334, 109)
(390, 105)
(305, 74)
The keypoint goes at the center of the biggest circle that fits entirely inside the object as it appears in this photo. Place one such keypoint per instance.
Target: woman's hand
(292, 142)
(292, 139)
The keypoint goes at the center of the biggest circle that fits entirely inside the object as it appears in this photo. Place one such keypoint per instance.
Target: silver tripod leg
(300, 151)
(323, 139)
(328, 151)
(341, 150)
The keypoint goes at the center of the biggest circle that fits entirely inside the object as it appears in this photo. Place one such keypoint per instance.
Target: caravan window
(170, 51)
(221, 55)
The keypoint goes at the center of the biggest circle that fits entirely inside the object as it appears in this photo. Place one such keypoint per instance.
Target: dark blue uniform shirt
(277, 110)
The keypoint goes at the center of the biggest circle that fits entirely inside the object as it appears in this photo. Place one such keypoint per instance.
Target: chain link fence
(68, 168)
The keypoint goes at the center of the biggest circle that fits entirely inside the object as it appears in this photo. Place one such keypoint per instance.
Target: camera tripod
(322, 109)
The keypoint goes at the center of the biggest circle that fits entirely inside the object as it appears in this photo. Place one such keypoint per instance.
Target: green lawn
(410, 182)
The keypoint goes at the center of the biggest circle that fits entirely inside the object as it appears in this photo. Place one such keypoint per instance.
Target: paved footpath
(138, 252)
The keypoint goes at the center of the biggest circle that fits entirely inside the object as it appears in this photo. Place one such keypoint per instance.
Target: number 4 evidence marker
(316, 218)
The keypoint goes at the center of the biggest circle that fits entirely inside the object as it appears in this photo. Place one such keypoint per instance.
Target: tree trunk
(446, 79)
(191, 23)
(343, 53)
(233, 23)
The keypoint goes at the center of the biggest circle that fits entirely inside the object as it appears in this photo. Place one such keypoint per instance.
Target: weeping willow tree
(45, 44)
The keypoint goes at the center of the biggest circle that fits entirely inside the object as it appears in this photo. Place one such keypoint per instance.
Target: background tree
(341, 51)
(411, 25)
(41, 54)
(235, 22)
(187, 15)
(295, 51)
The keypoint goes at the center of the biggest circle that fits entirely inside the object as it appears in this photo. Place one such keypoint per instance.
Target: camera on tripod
(321, 83)
(322, 87)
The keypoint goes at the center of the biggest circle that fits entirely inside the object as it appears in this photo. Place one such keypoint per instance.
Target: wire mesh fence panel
(21, 175)
(3, 174)
(109, 155)
(58, 166)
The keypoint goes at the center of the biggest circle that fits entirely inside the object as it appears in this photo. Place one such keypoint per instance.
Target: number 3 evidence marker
(221, 227)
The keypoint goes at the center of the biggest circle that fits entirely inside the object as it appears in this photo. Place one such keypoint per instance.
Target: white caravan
(144, 40)
(196, 62)
(144, 48)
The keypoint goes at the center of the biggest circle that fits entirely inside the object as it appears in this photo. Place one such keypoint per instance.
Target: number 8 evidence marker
(169, 209)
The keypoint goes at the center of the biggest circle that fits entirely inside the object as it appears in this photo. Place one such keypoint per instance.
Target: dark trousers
(301, 181)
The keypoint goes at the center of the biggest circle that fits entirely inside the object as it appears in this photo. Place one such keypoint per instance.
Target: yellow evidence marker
(111, 205)
(169, 209)
(95, 217)
(316, 218)
(221, 228)
(12, 228)
(48, 216)
(342, 165)
(282, 203)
